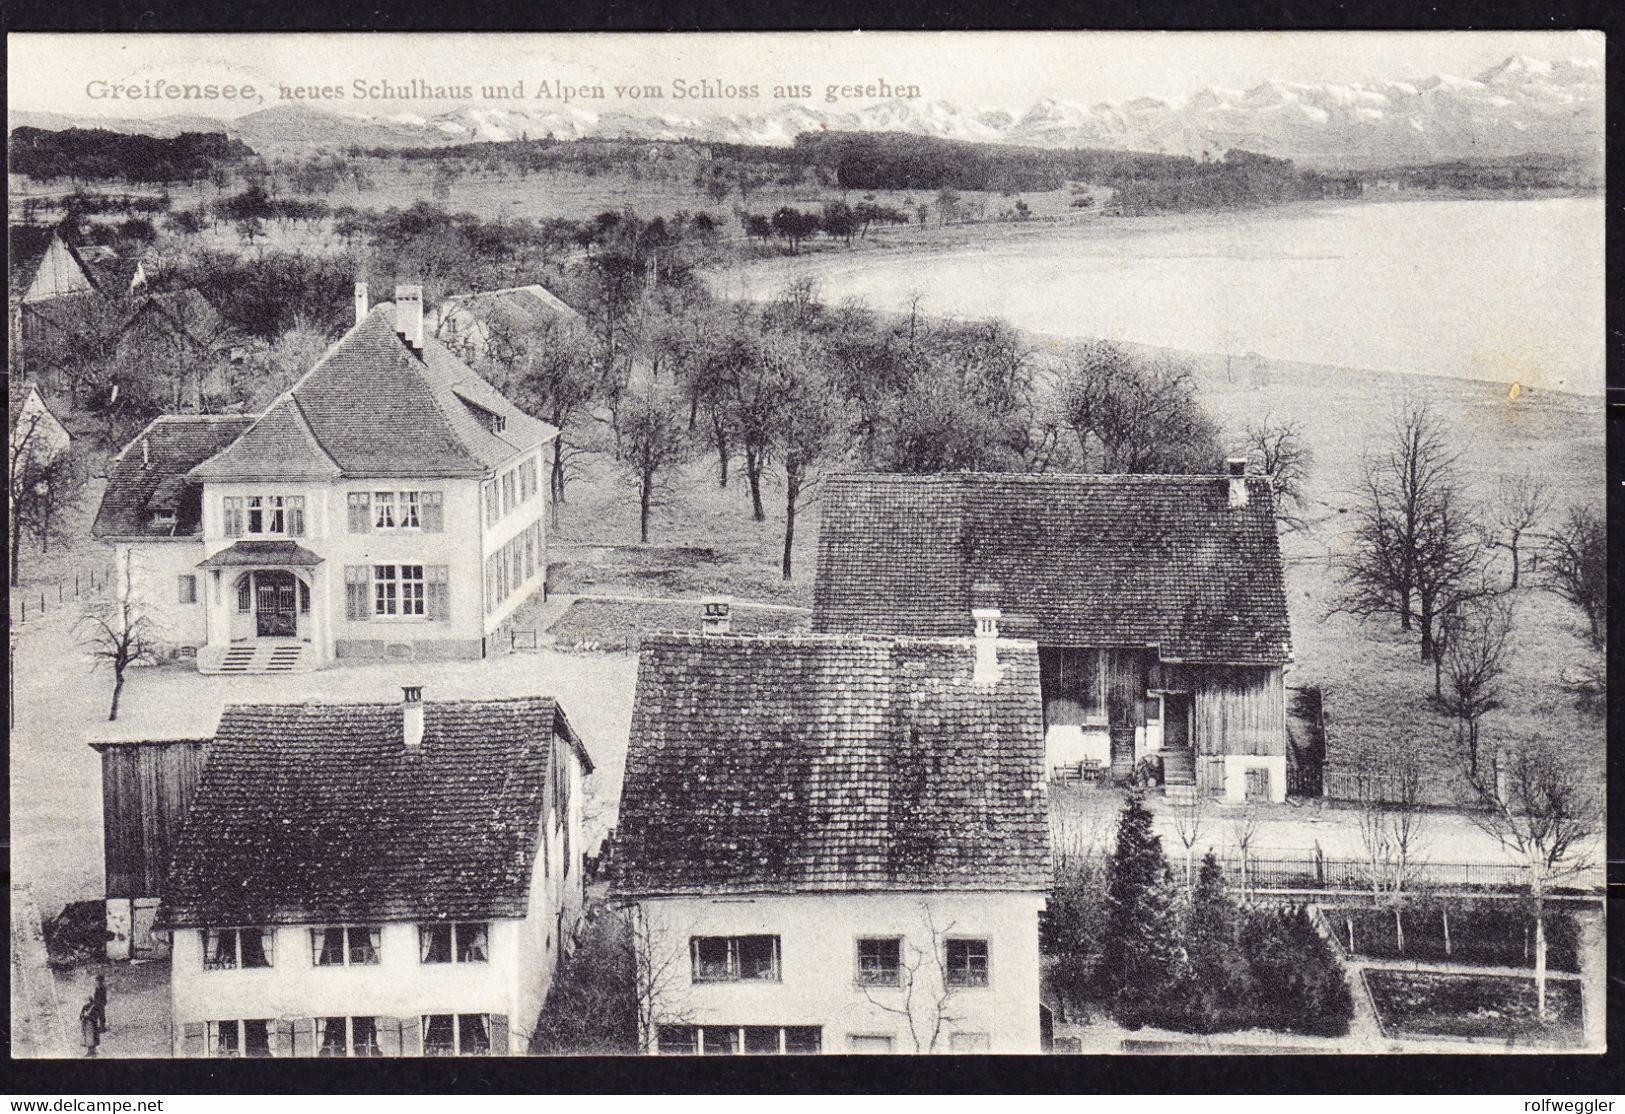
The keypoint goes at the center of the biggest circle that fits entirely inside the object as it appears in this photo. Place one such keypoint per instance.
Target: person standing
(88, 1032)
(98, 999)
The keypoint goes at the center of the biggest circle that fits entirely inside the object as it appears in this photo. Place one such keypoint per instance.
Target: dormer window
(490, 419)
(498, 423)
(163, 519)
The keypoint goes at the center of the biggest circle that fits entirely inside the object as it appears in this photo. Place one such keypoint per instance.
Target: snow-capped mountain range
(1520, 106)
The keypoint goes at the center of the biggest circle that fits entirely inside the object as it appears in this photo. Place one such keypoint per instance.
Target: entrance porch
(264, 611)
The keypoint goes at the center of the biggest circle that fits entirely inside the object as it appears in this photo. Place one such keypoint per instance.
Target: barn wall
(146, 790)
(1238, 710)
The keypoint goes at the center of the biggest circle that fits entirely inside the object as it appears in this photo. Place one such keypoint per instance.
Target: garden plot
(1474, 1007)
(1469, 934)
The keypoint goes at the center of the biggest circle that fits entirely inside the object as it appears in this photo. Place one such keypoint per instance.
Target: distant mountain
(1519, 106)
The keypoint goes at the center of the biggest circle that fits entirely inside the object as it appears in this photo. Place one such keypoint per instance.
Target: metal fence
(1313, 871)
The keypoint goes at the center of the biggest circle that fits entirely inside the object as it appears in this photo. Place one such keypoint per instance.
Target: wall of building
(493, 536)
(1238, 710)
(146, 789)
(556, 898)
(818, 948)
(149, 572)
(398, 986)
(1235, 775)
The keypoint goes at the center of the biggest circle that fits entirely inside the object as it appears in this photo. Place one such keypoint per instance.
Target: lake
(1505, 290)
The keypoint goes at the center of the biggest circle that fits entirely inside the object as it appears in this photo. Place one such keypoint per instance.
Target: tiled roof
(523, 308)
(827, 764)
(282, 553)
(1068, 559)
(317, 812)
(186, 312)
(279, 446)
(377, 409)
(175, 443)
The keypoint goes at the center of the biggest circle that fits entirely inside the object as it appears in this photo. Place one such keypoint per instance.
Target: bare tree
(1541, 811)
(1275, 449)
(812, 423)
(117, 635)
(1575, 566)
(42, 481)
(1416, 551)
(1391, 819)
(554, 378)
(660, 969)
(1188, 813)
(927, 993)
(1246, 826)
(654, 438)
(1521, 505)
(1472, 664)
(1135, 413)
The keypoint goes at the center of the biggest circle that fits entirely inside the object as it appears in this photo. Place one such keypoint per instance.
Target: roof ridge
(304, 425)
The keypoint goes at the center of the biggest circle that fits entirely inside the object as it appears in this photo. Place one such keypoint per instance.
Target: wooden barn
(147, 788)
(1157, 602)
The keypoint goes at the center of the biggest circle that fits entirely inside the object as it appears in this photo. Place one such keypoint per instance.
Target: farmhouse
(836, 843)
(389, 504)
(494, 323)
(35, 434)
(1157, 603)
(375, 879)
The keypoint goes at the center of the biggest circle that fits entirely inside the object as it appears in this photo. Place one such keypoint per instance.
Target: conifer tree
(1218, 981)
(1141, 959)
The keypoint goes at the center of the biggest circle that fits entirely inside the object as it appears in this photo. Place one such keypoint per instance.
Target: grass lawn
(1492, 1007)
(1490, 933)
(616, 624)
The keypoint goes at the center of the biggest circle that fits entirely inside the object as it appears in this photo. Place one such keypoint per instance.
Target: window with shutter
(232, 516)
(192, 1039)
(360, 512)
(296, 516)
(357, 592)
(491, 514)
(439, 592)
(410, 1035)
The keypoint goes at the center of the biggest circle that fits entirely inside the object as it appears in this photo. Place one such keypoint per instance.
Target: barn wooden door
(1258, 784)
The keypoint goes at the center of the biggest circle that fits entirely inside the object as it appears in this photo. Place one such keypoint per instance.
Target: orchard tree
(557, 381)
(118, 634)
(1575, 567)
(1134, 413)
(654, 440)
(812, 430)
(1472, 665)
(1522, 504)
(1274, 449)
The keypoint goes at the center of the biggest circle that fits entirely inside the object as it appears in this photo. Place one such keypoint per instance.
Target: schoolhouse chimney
(718, 615)
(1237, 467)
(146, 453)
(360, 302)
(412, 717)
(985, 621)
(409, 315)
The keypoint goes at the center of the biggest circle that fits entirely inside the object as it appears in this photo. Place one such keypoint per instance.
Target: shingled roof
(373, 407)
(520, 308)
(1070, 560)
(830, 764)
(317, 812)
(137, 486)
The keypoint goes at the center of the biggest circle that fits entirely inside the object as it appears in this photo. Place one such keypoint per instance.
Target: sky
(58, 73)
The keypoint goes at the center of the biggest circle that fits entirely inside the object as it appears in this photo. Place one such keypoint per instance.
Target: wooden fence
(31, 604)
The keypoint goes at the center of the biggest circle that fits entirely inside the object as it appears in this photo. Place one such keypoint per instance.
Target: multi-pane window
(225, 949)
(383, 509)
(263, 514)
(726, 1040)
(231, 516)
(344, 945)
(463, 942)
(735, 958)
(397, 590)
(410, 519)
(967, 963)
(400, 510)
(347, 1036)
(245, 595)
(239, 1038)
(880, 961)
(457, 1034)
(492, 513)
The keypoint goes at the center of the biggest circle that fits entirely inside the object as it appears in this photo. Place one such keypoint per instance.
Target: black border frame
(1534, 1075)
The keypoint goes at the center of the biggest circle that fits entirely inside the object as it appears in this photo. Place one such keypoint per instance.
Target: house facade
(35, 433)
(836, 844)
(496, 324)
(388, 505)
(376, 880)
(1158, 604)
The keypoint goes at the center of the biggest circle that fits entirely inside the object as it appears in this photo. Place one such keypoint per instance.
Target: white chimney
(146, 453)
(986, 622)
(360, 302)
(718, 617)
(1237, 467)
(409, 315)
(412, 717)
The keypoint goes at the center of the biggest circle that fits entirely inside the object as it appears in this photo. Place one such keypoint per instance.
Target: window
(460, 1034)
(880, 961)
(967, 963)
(1073, 683)
(397, 590)
(868, 1043)
(227, 948)
(245, 594)
(349, 945)
(735, 958)
(347, 1036)
(677, 1040)
(730, 1040)
(239, 1038)
(402, 510)
(967, 1042)
(383, 509)
(510, 497)
(360, 506)
(410, 520)
(296, 516)
(186, 587)
(491, 512)
(267, 514)
(162, 519)
(466, 942)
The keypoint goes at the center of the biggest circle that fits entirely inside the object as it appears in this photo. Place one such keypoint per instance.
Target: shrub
(1073, 926)
(1298, 981)
(591, 1007)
